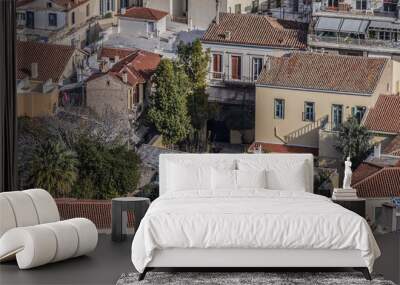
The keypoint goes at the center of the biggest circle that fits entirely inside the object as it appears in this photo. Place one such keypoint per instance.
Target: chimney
(217, 10)
(34, 70)
(377, 151)
(124, 77)
(116, 58)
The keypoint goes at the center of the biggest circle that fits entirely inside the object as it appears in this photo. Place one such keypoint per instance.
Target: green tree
(168, 104)
(195, 63)
(105, 171)
(54, 168)
(354, 140)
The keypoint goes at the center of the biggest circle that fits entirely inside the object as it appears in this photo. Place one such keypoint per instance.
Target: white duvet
(253, 218)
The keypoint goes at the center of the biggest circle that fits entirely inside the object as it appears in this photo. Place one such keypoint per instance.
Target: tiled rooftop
(113, 52)
(67, 4)
(281, 148)
(52, 59)
(364, 170)
(144, 13)
(139, 66)
(325, 72)
(385, 115)
(383, 183)
(256, 30)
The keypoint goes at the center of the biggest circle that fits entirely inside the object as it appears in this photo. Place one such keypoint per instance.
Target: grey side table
(357, 205)
(119, 217)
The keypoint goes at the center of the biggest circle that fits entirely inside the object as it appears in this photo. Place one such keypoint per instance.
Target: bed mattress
(250, 219)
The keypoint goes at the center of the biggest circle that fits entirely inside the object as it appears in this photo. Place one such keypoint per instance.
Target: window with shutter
(217, 66)
(236, 67)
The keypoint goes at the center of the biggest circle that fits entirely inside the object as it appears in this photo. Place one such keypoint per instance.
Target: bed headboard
(230, 159)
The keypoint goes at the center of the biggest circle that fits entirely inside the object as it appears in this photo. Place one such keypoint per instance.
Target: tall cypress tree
(195, 63)
(168, 104)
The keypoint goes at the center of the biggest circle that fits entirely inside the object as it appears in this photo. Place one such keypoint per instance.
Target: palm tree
(54, 168)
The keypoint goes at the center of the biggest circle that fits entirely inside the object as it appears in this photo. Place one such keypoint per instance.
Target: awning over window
(328, 24)
(384, 25)
(354, 26)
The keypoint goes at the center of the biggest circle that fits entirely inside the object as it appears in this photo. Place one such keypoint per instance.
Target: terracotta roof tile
(384, 183)
(363, 171)
(257, 30)
(281, 148)
(52, 59)
(144, 13)
(385, 115)
(113, 52)
(393, 146)
(98, 211)
(20, 3)
(338, 73)
(70, 4)
(139, 66)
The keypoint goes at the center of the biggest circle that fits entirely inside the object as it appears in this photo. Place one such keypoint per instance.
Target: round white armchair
(31, 230)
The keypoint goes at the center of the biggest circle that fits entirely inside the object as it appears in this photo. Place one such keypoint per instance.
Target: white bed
(226, 226)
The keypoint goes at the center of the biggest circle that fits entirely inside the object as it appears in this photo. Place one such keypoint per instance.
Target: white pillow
(182, 177)
(293, 179)
(224, 179)
(251, 178)
(282, 174)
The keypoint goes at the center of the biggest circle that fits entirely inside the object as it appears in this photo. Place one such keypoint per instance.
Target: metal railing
(179, 19)
(345, 8)
(353, 41)
(222, 77)
(319, 123)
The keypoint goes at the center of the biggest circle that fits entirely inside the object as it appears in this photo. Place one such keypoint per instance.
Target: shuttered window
(217, 66)
(236, 67)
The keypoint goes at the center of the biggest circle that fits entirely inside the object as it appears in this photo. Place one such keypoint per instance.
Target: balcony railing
(179, 19)
(345, 8)
(351, 41)
(217, 78)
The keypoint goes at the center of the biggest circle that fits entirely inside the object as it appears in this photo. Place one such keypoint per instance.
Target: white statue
(347, 174)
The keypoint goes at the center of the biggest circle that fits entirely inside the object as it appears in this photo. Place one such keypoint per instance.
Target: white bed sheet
(250, 218)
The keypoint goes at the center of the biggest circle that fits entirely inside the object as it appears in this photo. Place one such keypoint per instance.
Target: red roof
(393, 148)
(364, 170)
(139, 66)
(98, 211)
(51, 59)
(282, 148)
(144, 13)
(383, 183)
(112, 52)
(385, 115)
(256, 30)
(318, 71)
(67, 4)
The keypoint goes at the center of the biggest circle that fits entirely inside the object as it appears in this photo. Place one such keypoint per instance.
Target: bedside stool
(119, 218)
(357, 205)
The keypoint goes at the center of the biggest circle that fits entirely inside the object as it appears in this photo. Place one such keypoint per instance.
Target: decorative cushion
(282, 174)
(251, 178)
(224, 179)
(183, 178)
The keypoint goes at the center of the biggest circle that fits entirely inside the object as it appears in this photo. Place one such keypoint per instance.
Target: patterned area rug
(243, 278)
